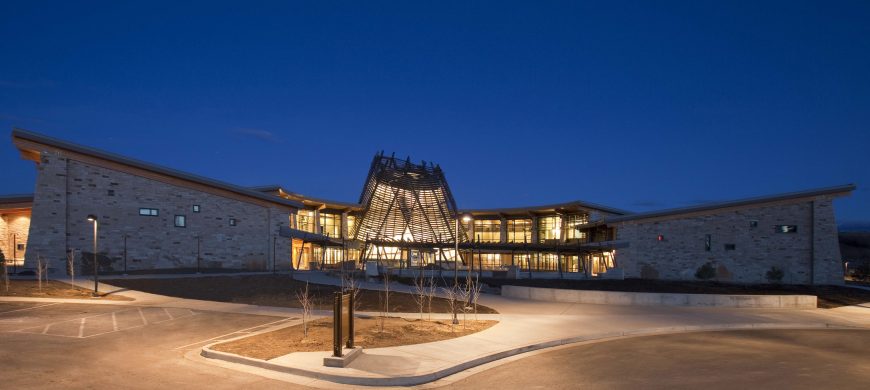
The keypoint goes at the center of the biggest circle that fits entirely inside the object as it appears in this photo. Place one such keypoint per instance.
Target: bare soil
(828, 296)
(368, 334)
(273, 290)
(51, 289)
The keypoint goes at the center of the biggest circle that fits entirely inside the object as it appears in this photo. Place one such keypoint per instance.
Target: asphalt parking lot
(756, 359)
(54, 345)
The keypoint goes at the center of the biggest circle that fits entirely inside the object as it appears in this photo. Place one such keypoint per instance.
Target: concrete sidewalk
(529, 325)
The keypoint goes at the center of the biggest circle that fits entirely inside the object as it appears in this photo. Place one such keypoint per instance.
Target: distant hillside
(855, 245)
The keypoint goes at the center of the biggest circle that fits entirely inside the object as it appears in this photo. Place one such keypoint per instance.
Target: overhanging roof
(574, 205)
(840, 190)
(307, 200)
(118, 159)
(16, 201)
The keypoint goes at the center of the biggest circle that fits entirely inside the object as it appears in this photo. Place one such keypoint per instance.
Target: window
(572, 222)
(708, 242)
(549, 228)
(351, 220)
(753, 223)
(519, 230)
(785, 228)
(330, 225)
(148, 212)
(487, 230)
(180, 221)
(305, 220)
(730, 247)
(196, 208)
(110, 192)
(232, 222)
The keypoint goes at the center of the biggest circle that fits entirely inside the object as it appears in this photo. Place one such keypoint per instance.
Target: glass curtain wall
(571, 224)
(487, 230)
(549, 228)
(330, 225)
(519, 230)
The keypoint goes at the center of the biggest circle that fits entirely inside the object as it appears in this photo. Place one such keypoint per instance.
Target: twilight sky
(636, 105)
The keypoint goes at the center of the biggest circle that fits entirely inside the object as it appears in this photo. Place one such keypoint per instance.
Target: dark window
(232, 222)
(21, 247)
(708, 242)
(196, 208)
(111, 192)
(730, 247)
(785, 228)
(180, 221)
(148, 212)
(753, 223)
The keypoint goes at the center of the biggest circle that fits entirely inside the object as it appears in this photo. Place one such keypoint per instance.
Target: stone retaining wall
(660, 299)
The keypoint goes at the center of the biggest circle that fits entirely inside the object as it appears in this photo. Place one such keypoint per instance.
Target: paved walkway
(524, 326)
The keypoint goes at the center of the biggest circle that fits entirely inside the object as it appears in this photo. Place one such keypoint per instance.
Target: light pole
(93, 218)
(465, 218)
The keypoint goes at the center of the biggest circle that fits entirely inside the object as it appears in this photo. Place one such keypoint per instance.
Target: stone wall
(14, 229)
(68, 191)
(807, 256)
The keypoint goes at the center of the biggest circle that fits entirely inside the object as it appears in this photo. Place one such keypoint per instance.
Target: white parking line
(82, 328)
(31, 308)
(141, 314)
(167, 313)
(114, 321)
(241, 331)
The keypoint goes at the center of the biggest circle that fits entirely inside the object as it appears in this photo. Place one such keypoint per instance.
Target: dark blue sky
(638, 105)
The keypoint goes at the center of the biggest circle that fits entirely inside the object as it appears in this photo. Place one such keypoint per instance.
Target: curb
(411, 380)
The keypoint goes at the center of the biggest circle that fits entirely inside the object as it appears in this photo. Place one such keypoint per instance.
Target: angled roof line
(575, 203)
(304, 198)
(844, 189)
(117, 158)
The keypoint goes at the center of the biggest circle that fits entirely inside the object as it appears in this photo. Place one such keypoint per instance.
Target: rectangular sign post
(342, 323)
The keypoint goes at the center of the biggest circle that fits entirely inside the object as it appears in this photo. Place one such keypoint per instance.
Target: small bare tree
(351, 285)
(384, 297)
(71, 266)
(305, 300)
(450, 294)
(40, 270)
(420, 291)
(431, 290)
(4, 270)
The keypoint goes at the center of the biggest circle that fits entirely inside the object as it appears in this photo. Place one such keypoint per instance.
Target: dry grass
(52, 289)
(397, 331)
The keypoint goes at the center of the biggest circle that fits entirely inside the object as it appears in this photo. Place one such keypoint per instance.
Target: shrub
(706, 271)
(774, 275)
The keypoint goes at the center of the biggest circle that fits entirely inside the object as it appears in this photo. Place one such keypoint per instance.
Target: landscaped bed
(368, 334)
(51, 289)
(274, 290)
(828, 296)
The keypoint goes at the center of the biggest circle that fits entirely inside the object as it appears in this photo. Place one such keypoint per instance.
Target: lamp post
(465, 218)
(93, 218)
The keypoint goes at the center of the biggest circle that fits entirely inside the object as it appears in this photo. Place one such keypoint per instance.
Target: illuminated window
(572, 222)
(330, 224)
(489, 261)
(785, 228)
(549, 228)
(351, 221)
(519, 230)
(196, 208)
(148, 212)
(232, 222)
(305, 220)
(180, 221)
(487, 230)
